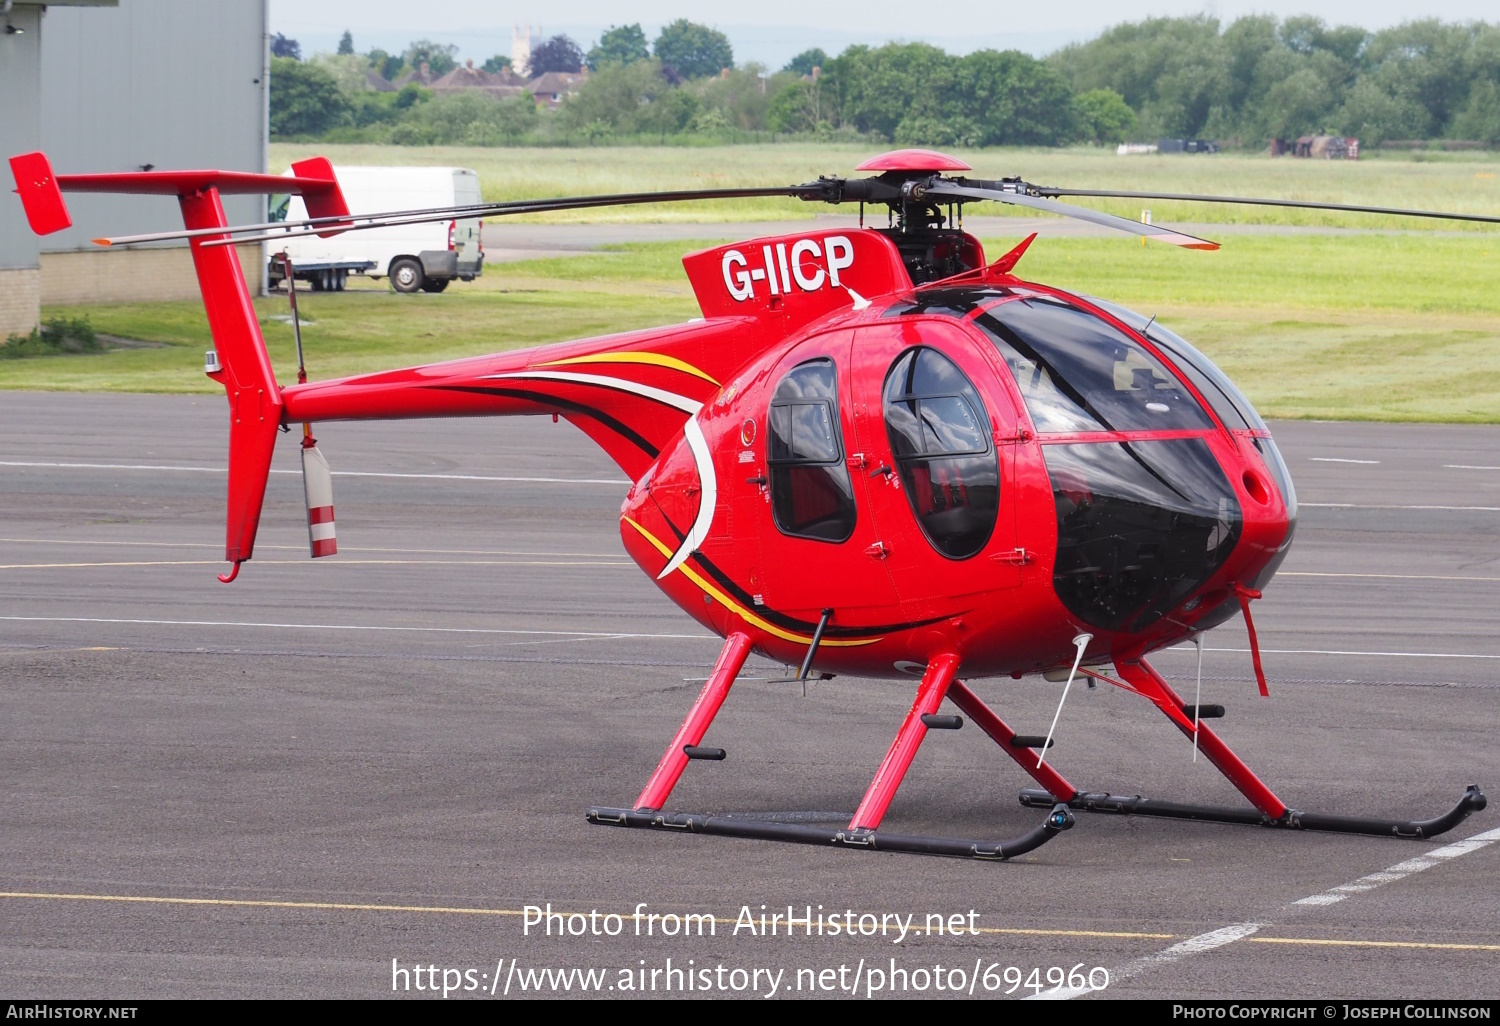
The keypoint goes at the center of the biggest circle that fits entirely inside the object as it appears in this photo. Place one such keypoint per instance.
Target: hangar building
(119, 85)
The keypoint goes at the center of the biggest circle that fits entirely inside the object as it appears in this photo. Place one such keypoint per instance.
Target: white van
(415, 257)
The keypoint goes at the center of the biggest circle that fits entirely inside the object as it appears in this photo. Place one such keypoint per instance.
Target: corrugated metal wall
(174, 83)
(20, 131)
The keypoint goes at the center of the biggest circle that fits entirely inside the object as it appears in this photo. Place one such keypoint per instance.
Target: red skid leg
(974, 708)
(1144, 679)
(930, 693)
(675, 760)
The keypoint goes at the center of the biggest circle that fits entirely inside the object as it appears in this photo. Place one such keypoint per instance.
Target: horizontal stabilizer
(41, 190)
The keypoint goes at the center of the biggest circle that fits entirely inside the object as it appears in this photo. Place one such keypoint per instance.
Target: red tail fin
(255, 405)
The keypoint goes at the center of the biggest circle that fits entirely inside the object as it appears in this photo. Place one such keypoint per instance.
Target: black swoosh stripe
(780, 619)
(618, 427)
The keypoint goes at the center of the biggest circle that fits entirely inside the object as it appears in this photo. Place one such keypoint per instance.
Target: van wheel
(406, 275)
(435, 284)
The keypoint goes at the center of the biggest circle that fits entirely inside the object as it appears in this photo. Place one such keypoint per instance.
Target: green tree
(1012, 99)
(629, 99)
(440, 58)
(1104, 116)
(305, 99)
(496, 65)
(875, 90)
(559, 53)
(795, 109)
(623, 44)
(387, 65)
(693, 50)
(468, 118)
(1480, 119)
(804, 62)
(743, 97)
(346, 43)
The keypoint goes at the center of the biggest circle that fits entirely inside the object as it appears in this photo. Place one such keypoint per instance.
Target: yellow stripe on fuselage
(649, 359)
(739, 610)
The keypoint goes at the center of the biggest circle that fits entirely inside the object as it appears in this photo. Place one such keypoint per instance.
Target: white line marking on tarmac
(1229, 934)
(1341, 652)
(349, 627)
(337, 473)
(1355, 505)
(303, 548)
(1466, 466)
(1335, 459)
(1383, 577)
(1402, 870)
(1192, 946)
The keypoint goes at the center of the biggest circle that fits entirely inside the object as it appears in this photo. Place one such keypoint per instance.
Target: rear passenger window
(811, 494)
(939, 433)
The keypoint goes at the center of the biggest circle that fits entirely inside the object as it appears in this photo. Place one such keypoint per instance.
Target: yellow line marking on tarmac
(1335, 943)
(339, 906)
(342, 906)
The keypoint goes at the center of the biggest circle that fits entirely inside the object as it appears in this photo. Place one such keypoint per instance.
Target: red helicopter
(878, 452)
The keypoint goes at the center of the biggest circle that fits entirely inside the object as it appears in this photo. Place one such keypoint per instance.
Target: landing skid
(1139, 677)
(1058, 820)
(1472, 801)
(863, 830)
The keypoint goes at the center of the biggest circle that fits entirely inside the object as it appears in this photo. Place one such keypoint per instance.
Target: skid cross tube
(999, 731)
(1142, 678)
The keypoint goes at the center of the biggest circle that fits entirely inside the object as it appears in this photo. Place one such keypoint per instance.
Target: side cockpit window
(1078, 373)
(811, 493)
(940, 435)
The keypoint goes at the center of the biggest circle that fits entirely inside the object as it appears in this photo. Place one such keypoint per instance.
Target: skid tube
(1058, 820)
(1135, 805)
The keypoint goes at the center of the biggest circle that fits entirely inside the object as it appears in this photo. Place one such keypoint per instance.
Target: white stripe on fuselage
(702, 458)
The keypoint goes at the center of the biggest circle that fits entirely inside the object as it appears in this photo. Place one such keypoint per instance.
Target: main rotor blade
(295, 229)
(1150, 231)
(1302, 204)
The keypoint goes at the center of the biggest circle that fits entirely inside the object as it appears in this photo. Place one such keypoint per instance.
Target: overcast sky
(771, 31)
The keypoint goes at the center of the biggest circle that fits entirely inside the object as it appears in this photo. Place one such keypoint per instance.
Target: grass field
(1462, 183)
(1391, 327)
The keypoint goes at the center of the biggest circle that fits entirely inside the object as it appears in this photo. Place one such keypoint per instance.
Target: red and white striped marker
(317, 484)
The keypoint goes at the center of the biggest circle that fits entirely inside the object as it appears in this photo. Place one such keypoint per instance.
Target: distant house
(467, 78)
(551, 88)
(423, 76)
(375, 82)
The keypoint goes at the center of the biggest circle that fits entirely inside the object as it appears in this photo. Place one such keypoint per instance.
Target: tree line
(1244, 83)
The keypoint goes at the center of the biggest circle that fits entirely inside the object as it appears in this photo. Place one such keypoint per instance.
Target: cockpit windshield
(1078, 373)
(1227, 400)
